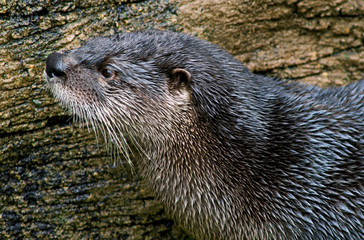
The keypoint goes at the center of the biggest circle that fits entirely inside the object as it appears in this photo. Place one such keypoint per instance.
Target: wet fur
(230, 154)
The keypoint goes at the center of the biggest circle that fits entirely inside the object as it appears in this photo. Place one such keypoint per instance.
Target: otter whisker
(123, 126)
(113, 132)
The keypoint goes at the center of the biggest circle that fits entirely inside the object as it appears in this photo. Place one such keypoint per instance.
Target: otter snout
(54, 65)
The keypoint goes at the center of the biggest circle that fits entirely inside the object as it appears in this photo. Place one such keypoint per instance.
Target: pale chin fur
(96, 116)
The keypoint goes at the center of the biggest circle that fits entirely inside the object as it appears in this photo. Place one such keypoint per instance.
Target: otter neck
(196, 167)
(185, 176)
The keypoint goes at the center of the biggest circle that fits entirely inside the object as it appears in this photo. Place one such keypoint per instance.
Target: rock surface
(317, 42)
(56, 179)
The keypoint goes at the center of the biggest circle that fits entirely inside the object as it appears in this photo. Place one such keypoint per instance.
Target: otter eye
(107, 73)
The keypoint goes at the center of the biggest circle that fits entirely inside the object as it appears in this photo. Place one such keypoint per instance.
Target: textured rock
(316, 42)
(56, 179)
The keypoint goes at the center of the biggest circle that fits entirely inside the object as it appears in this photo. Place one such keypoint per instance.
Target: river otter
(231, 154)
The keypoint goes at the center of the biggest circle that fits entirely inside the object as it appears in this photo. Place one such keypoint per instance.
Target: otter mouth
(70, 86)
(62, 93)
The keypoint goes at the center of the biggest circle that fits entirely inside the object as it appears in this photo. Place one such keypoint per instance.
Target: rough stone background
(317, 42)
(56, 180)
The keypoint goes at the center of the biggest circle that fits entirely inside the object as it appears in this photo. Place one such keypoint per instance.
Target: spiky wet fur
(234, 155)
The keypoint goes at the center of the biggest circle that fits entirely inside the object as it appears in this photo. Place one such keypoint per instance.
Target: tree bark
(56, 179)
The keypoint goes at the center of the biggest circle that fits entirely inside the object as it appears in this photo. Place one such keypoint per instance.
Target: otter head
(133, 87)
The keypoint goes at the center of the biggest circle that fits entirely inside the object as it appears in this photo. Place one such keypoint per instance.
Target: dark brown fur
(230, 154)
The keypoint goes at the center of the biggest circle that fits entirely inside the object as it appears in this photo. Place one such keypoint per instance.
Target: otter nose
(55, 65)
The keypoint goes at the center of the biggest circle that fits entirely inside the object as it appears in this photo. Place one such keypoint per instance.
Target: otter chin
(230, 154)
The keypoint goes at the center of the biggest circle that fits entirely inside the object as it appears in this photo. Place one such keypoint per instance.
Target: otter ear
(180, 79)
